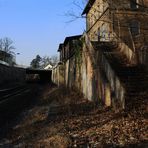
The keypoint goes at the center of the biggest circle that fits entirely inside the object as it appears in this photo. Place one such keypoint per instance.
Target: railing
(121, 45)
(128, 52)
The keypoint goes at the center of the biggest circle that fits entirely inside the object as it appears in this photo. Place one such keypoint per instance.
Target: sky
(37, 26)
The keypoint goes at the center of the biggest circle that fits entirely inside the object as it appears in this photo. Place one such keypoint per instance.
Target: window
(99, 34)
(134, 4)
(135, 28)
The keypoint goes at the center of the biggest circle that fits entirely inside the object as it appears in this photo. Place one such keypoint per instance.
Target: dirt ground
(63, 118)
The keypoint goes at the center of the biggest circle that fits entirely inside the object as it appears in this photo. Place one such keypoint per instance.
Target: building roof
(67, 39)
(60, 47)
(88, 6)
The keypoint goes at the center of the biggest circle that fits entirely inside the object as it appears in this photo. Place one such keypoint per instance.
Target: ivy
(78, 51)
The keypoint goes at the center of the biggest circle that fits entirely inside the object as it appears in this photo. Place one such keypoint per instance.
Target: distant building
(7, 57)
(49, 66)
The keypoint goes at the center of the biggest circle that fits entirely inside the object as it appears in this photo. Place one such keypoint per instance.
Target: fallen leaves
(79, 123)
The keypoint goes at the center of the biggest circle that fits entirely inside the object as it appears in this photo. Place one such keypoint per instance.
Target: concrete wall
(99, 81)
(58, 75)
(10, 74)
(84, 75)
(55, 75)
(87, 76)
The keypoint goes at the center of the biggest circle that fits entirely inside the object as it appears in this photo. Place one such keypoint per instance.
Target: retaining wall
(9, 74)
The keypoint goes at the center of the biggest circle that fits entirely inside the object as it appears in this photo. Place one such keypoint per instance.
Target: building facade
(66, 70)
(120, 21)
(113, 53)
(117, 42)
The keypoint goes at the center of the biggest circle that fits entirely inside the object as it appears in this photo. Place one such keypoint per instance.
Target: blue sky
(37, 26)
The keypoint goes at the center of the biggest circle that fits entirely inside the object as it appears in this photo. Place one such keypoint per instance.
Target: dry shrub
(63, 96)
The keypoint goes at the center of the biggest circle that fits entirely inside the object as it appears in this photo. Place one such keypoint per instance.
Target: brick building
(117, 42)
(120, 21)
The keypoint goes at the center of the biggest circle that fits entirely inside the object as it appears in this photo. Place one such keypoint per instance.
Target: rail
(6, 94)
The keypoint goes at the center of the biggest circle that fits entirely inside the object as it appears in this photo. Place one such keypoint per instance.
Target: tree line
(42, 62)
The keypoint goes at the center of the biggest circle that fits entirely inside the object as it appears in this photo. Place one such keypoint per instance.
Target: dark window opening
(135, 28)
(133, 4)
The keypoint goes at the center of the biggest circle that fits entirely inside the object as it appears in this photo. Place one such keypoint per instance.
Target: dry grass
(62, 96)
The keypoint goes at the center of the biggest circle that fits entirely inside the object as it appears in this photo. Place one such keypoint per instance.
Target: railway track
(8, 93)
(14, 100)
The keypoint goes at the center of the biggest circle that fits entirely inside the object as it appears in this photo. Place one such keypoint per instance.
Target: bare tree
(45, 61)
(75, 14)
(1, 44)
(6, 44)
(42, 62)
(54, 59)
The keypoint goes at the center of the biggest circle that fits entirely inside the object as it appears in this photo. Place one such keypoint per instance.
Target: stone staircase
(127, 79)
(133, 77)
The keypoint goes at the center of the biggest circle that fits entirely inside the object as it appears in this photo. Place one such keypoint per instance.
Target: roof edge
(88, 6)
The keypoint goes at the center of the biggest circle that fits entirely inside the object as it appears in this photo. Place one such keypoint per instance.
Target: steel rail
(8, 93)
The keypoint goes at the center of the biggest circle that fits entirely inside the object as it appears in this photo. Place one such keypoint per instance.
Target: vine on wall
(78, 51)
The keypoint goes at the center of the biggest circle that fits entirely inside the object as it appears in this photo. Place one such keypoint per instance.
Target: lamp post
(15, 55)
